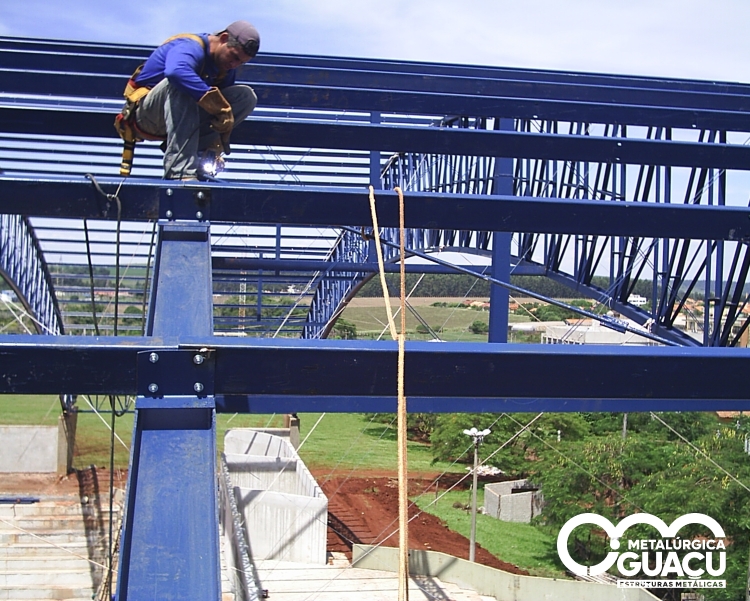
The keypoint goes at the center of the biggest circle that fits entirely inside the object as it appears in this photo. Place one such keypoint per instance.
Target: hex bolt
(153, 388)
(198, 359)
(169, 192)
(199, 215)
(153, 357)
(198, 387)
(169, 214)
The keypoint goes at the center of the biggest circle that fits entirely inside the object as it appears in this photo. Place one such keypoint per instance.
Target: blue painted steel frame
(344, 376)
(145, 199)
(502, 185)
(170, 545)
(23, 267)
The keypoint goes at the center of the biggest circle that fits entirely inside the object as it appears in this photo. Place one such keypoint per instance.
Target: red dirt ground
(51, 485)
(365, 510)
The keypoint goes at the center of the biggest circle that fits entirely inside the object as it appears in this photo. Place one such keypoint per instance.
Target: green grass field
(336, 443)
(522, 545)
(348, 440)
(340, 441)
(451, 323)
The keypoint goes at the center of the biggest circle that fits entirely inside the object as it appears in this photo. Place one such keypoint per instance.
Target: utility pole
(477, 437)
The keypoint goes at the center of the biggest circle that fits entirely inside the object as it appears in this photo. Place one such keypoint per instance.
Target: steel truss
(675, 266)
(23, 267)
(679, 145)
(577, 174)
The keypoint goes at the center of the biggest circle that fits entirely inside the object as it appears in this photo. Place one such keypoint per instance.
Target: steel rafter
(630, 138)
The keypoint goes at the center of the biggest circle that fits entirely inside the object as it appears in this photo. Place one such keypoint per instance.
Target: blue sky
(673, 38)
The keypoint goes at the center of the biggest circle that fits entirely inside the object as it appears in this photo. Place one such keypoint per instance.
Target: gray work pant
(168, 111)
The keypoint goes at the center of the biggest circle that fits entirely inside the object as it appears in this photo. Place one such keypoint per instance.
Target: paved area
(287, 581)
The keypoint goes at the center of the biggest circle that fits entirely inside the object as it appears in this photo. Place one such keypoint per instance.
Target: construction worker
(191, 100)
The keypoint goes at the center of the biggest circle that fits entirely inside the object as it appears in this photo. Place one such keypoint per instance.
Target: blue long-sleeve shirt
(187, 65)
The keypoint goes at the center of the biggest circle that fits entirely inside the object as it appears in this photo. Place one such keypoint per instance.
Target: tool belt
(127, 125)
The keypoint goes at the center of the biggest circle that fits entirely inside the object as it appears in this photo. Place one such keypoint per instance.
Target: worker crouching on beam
(185, 94)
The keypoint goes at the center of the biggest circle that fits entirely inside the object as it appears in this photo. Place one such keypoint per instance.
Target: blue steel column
(377, 183)
(170, 544)
(499, 297)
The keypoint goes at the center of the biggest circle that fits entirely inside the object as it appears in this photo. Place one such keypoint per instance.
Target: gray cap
(246, 35)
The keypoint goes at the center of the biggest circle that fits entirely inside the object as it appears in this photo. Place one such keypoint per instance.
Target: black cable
(117, 263)
(114, 412)
(110, 198)
(91, 275)
(145, 282)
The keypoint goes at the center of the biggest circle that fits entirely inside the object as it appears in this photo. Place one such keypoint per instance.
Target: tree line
(614, 465)
(465, 285)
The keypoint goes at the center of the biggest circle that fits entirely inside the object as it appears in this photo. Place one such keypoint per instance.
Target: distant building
(587, 331)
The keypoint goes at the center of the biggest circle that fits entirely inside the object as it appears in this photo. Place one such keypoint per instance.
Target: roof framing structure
(567, 175)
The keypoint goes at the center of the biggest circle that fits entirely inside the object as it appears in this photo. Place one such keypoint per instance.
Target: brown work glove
(214, 103)
(220, 145)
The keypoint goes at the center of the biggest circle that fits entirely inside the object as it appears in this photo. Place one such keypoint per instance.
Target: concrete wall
(38, 449)
(501, 503)
(283, 508)
(283, 526)
(490, 581)
(251, 441)
(266, 473)
(289, 433)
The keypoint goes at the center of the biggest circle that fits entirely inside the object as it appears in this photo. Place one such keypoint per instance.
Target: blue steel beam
(170, 545)
(270, 266)
(460, 81)
(298, 97)
(391, 138)
(258, 203)
(413, 87)
(575, 377)
(88, 57)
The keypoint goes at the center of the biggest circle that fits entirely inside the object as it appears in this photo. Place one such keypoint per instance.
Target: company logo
(665, 557)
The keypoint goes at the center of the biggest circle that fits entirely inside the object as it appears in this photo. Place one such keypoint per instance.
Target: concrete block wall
(289, 434)
(39, 449)
(516, 508)
(491, 501)
(500, 502)
(283, 508)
